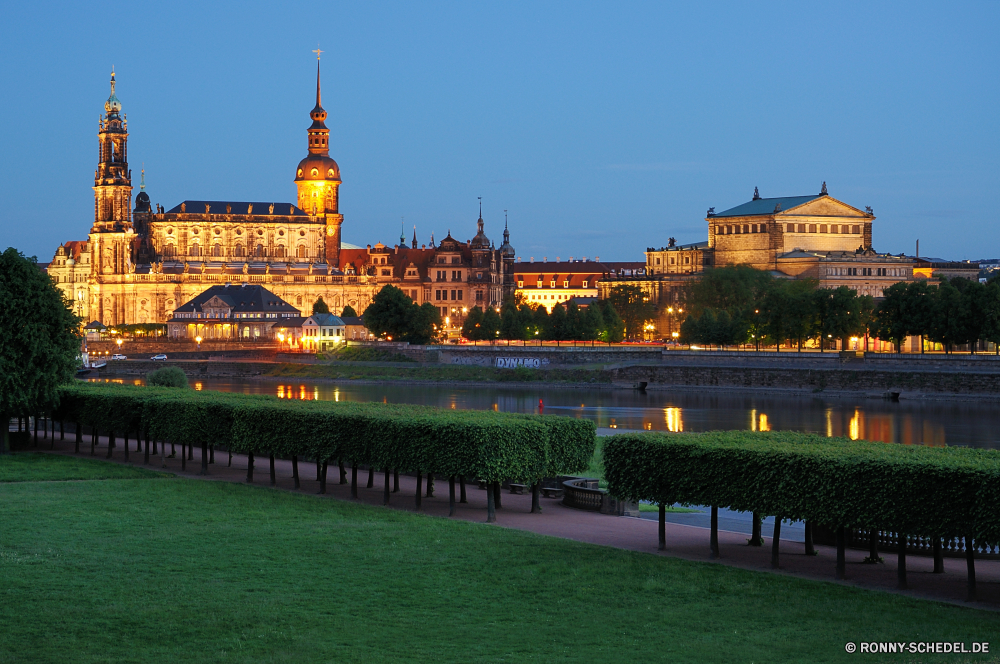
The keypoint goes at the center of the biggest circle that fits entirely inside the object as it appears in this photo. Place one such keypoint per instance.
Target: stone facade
(138, 266)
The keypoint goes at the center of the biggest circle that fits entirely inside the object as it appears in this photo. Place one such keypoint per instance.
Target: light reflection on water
(909, 422)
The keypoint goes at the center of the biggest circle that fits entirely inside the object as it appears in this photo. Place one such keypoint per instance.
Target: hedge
(931, 491)
(481, 444)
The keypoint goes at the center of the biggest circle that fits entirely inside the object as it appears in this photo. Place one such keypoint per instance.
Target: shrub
(167, 377)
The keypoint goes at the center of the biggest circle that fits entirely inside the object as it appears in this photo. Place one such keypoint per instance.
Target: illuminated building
(140, 266)
(548, 284)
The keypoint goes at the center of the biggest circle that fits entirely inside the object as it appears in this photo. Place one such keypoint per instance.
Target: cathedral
(139, 265)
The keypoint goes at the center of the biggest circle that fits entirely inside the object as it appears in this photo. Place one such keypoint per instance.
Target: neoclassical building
(139, 265)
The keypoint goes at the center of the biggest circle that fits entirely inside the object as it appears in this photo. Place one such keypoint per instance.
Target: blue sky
(603, 128)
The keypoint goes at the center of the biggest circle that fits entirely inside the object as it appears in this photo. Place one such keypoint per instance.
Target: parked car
(118, 356)
(159, 358)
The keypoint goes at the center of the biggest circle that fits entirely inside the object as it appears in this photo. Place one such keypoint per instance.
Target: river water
(931, 422)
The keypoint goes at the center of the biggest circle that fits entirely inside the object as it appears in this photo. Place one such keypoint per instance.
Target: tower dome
(112, 105)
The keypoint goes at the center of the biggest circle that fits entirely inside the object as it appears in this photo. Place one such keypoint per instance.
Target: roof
(766, 206)
(326, 320)
(578, 267)
(682, 247)
(95, 325)
(353, 320)
(237, 207)
(244, 298)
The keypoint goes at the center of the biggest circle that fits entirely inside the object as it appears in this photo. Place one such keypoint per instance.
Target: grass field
(176, 570)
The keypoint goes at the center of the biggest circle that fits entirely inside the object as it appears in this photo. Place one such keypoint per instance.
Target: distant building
(322, 332)
(238, 312)
(355, 330)
(548, 284)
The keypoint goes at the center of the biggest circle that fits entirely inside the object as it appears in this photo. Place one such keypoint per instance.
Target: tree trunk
(190, 451)
(663, 528)
(395, 481)
(76, 443)
(4, 446)
(93, 440)
(873, 545)
(204, 458)
(430, 486)
(536, 497)
(841, 553)
(497, 501)
(295, 470)
(713, 540)
(810, 548)
(319, 469)
(491, 513)
(775, 541)
(163, 451)
(125, 443)
(343, 471)
(211, 454)
(386, 490)
(138, 441)
(420, 486)
(970, 564)
(184, 455)
(111, 443)
(901, 561)
(145, 454)
(354, 481)
(229, 464)
(371, 477)
(249, 467)
(461, 488)
(756, 538)
(451, 496)
(938, 556)
(273, 479)
(173, 449)
(322, 475)
(62, 429)
(35, 418)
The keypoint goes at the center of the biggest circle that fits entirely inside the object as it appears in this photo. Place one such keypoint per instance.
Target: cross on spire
(317, 51)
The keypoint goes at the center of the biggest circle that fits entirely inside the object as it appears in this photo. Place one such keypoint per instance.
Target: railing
(953, 547)
(583, 494)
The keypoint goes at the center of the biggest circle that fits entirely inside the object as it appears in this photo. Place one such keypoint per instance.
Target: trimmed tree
(40, 340)
(348, 312)
(319, 306)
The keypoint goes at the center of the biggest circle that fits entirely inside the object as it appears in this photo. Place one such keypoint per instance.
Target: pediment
(215, 302)
(826, 206)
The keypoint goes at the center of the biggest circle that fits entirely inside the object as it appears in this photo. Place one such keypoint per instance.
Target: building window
(455, 260)
(552, 283)
(453, 295)
(790, 228)
(565, 283)
(279, 251)
(687, 259)
(520, 284)
(437, 295)
(585, 284)
(856, 230)
(460, 296)
(802, 228)
(822, 228)
(657, 261)
(812, 228)
(259, 252)
(238, 251)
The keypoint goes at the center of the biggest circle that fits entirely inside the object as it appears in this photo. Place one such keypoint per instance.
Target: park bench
(552, 491)
(518, 488)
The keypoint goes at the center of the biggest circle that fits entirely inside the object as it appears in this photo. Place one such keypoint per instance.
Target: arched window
(169, 251)
(279, 251)
(259, 252)
(217, 251)
(195, 249)
(301, 252)
(238, 251)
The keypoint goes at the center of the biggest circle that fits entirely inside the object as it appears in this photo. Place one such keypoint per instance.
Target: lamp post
(119, 342)
(197, 340)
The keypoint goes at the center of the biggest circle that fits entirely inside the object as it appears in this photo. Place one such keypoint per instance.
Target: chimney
(557, 259)
(570, 259)
(545, 259)
(597, 258)
(918, 249)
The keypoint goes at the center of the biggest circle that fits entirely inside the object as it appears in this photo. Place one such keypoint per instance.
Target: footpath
(683, 541)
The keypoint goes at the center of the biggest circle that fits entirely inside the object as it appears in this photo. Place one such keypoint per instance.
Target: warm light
(673, 419)
(675, 334)
(197, 387)
(447, 319)
(198, 339)
(119, 342)
(281, 337)
(465, 310)
(855, 425)
(764, 424)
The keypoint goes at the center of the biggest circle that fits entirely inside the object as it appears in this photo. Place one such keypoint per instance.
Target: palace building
(140, 265)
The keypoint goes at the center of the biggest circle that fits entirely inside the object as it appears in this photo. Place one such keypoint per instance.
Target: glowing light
(675, 423)
(281, 391)
(764, 425)
(855, 425)
(197, 387)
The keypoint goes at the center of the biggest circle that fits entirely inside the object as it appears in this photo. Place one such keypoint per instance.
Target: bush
(167, 377)
(941, 492)
(475, 444)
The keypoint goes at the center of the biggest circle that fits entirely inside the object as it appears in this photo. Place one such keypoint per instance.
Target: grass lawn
(37, 467)
(172, 570)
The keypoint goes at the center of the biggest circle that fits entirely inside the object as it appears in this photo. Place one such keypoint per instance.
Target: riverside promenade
(683, 541)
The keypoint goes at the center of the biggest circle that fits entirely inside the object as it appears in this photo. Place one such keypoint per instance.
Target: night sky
(602, 128)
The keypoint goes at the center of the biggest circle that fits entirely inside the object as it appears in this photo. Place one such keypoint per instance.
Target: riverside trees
(739, 305)
(39, 343)
(521, 322)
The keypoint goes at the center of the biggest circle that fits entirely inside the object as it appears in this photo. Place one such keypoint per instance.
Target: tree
(392, 314)
(991, 312)
(473, 322)
(613, 329)
(319, 306)
(490, 325)
(890, 321)
(631, 305)
(839, 314)
(736, 289)
(348, 312)
(39, 343)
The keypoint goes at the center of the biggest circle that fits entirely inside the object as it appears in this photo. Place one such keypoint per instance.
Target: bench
(519, 489)
(552, 491)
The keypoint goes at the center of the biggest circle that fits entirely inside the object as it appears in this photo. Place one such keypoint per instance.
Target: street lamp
(197, 340)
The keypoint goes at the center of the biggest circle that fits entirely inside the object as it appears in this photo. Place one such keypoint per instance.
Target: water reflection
(907, 422)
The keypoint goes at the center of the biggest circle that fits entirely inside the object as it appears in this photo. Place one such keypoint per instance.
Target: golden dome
(317, 167)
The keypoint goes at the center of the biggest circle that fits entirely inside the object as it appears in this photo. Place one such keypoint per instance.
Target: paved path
(685, 541)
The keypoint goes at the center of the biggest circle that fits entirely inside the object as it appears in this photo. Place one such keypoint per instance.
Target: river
(931, 422)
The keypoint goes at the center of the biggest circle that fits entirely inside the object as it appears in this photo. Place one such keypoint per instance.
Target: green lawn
(27, 467)
(176, 570)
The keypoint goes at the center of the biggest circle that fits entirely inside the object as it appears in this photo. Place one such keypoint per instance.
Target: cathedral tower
(318, 178)
(113, 179)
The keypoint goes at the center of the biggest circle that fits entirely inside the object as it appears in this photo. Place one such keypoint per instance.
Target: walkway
(683, 541)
